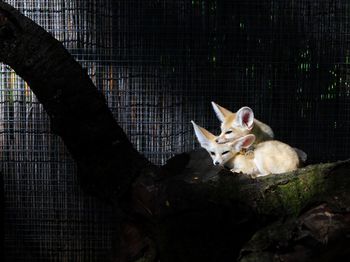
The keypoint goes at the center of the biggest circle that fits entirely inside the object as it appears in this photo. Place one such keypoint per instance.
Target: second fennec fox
(269, 157)
(241, 123)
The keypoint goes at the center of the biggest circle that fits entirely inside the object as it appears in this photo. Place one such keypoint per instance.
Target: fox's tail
(301, 154)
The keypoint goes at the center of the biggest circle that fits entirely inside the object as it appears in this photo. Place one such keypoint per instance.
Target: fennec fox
(220, 153)
(241, 123)
(269, 157)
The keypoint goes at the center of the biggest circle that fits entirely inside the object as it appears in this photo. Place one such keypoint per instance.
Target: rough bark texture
(186, 210)
(210, 218)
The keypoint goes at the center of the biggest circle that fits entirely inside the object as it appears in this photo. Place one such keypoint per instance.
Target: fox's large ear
(220, 112)
(204, 136)
(245, 117)
(243, 142)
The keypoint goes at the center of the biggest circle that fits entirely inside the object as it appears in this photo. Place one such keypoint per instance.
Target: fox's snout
(216, 163)
(220, 140)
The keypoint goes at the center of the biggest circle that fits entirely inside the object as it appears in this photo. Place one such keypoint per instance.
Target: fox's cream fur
(220, 154)
(269, 157)
(241, 123)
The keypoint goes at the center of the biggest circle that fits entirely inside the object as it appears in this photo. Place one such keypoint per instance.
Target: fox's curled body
(269, 157)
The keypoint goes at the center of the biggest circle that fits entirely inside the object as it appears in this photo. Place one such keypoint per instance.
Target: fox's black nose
(216, 163)
(217, 140)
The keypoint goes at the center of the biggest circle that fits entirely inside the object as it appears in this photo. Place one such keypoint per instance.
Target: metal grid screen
(159, 64)
(47, 216)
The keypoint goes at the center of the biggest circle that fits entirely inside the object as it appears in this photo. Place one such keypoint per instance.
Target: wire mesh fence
(47, 216)
(159, 64)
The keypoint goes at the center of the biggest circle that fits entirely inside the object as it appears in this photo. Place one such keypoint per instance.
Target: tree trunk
(77, 111)
(210, 218)
(186, 210)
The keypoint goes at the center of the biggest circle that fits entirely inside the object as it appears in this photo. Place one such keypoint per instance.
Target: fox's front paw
(253, 176)
(233, 170)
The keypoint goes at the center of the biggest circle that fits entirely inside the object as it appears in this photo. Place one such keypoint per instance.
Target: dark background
(159, 64)
(287, 60)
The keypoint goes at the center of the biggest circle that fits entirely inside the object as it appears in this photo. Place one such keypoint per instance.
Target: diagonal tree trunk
(184, 211)
(78, 112)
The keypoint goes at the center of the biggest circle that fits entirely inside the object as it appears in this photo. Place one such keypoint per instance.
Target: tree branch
(203, 215)
(78, 112)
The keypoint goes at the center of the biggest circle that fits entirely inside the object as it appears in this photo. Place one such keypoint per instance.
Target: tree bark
(106, 159)
(212, 218)
(184, 211)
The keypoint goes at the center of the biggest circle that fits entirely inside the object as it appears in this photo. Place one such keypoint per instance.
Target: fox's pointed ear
(243, 142)
(220, 112)
(245, 117)
(204, 136)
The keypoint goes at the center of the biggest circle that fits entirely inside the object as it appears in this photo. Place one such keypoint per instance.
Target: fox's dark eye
(212, 153)
(225, 152)
(228, 132)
